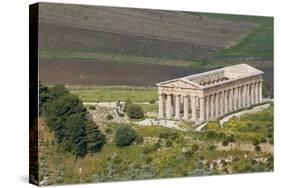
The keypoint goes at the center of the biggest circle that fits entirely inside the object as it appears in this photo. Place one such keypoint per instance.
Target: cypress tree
(95, 138)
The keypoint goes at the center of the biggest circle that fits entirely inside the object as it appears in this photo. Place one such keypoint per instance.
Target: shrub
(224, 163)
(269, 135)
(230, 138)
(201, 157)
(256, 142)
(135, 111)
(156, 146)
(108, 131)
(225, 143)
(139, 140)
(148, 160)
(92, 107)
(257, 148)
(221, 135)
(211, 135)
(189, 154)
(169, 135)
(212, 147)
(194, 147)
(152, 101)
(109, 117)
(121, 115)
(236, 158)
(263, 140)
(128, 102)
(124, 136)
(147, 150)
(169, 143)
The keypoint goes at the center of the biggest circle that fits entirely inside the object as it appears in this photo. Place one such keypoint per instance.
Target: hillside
(153, 39)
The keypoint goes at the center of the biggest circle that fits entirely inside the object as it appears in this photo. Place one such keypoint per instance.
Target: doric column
(207, 101)
(257, 92)
(248, 94)
(243, 90)
(260, 91)
(177, 107)
(161, 106)
(252, 93)
(235, 98)
(221, 103)
(169, 106)
(226, 101)
(217, 105)
(202, 108)
(212, 106)
(185, 107)
(239, 97)
(193, 108)
(230, 101)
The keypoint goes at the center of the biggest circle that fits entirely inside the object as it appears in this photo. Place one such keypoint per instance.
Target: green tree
(95, 138)
(44, 96)
(195, 147)
(76, 130)
(135, 111)
(57, 91)
(124, 136)
(128, 102)
(67, 117)
(258, 148)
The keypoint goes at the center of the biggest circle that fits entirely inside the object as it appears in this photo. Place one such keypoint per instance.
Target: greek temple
(210, 95)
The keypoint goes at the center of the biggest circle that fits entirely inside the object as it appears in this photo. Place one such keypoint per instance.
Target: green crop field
(113, 94)
(258, 44)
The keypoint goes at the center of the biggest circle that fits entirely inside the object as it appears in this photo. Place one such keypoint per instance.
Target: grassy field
(113, 94)
(113, 57)
(258, 44)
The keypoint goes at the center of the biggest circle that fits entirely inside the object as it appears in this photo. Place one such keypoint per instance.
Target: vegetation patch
(113, 94)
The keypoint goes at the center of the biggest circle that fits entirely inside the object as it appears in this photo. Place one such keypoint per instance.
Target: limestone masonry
(209, 95)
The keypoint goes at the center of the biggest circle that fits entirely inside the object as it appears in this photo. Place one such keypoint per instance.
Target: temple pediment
(178, 83)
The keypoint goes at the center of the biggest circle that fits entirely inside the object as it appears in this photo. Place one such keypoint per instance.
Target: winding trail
(109, 104)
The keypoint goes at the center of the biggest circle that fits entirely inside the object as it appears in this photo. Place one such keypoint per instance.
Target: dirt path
(109, 104)
(201, 126)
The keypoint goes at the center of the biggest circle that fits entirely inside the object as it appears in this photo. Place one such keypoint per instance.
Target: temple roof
(215, 77)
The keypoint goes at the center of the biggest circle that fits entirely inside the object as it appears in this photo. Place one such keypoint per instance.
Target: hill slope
(110, 41)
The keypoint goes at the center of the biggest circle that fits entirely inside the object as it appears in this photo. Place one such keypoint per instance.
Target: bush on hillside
(109, 117)
(153, 101)
(169, 135)
(125, 136)
(128, 102)
(92, 107)
(135, 111)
